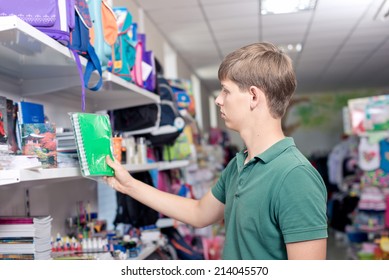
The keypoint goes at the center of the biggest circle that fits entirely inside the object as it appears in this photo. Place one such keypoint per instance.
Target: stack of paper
(25, 238)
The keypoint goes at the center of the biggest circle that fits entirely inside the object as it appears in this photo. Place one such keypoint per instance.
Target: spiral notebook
(93, 135)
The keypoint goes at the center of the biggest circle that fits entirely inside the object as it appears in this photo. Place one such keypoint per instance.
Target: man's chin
(229, 126)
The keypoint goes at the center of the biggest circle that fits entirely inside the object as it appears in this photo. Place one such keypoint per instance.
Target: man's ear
(256, 97)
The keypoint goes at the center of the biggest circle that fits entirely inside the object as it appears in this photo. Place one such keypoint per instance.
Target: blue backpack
(104, 33)
(80, 45)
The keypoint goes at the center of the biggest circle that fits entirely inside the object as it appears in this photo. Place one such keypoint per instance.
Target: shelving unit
(34, 64)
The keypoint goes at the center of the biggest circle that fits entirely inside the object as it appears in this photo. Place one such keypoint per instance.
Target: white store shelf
(31, 63)
(26, 175)
(166, 165)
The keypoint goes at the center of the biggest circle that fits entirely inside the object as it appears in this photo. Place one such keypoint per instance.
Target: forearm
(198, 213)
(183, 209)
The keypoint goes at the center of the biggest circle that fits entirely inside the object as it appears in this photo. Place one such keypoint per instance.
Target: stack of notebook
(25, 238)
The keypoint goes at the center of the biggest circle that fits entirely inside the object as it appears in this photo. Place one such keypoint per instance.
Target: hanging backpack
(104, 33)
(171, 123)
(160, 123)
(123, 57)
(136, 71)
(138, 120)
(80, 45)
(55, 18)
(132, 212)
(149, 75)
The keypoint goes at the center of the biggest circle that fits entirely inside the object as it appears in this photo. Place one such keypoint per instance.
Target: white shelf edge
(8, 177)
(140, 167)
(12, 22)
(165, 165)
(52, 173)
(111, 78)
(25, 175)
(162, 165)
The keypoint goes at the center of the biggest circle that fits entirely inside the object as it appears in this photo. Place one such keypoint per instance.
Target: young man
(272, 199)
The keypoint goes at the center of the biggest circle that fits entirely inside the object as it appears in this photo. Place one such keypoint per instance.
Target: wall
(315, 121)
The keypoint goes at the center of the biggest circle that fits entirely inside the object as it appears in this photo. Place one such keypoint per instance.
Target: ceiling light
(286, 6)
(291, 48)
(383, 11)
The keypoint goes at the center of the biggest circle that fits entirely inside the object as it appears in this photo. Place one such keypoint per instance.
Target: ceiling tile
(177, 15)
(238, 34)
(231, 10)
(233, 23)
(149, 5)
(215, 2)
(343, 46)
(284, 20)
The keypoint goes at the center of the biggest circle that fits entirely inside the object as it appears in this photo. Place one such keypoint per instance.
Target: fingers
(109, 161)
(111, 181)
(112, 163)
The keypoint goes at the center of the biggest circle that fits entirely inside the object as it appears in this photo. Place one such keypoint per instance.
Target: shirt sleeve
(219, 190)
(301, 205)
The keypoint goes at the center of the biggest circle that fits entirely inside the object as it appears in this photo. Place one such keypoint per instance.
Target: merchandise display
(364, 191)
(89, 60)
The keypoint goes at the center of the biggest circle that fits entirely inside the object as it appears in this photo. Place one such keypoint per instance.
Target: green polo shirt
(276, 198)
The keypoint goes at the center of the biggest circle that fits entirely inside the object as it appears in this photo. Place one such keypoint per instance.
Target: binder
(30, 112)
(93, 135)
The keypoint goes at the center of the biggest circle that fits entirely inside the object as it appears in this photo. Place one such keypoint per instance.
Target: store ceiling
(343, 45)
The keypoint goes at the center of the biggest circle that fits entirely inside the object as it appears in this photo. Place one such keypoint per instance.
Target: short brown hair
(265, 66)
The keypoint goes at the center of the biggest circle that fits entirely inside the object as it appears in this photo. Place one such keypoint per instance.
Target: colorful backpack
(80, 45)
(104, 33)
(55, 18)
(123, 58)
(149, 75)
(136, 72)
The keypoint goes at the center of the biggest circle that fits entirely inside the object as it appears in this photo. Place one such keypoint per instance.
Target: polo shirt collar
(275, 150)
(268, 155)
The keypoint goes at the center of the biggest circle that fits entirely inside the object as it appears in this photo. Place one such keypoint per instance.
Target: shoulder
(298, 174)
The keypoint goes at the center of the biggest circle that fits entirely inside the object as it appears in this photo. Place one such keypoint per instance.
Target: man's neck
(259, 140)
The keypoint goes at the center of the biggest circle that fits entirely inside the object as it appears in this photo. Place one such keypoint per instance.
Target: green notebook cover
(93, 135)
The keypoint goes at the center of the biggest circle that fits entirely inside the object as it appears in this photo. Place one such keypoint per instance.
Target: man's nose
(218, 100)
